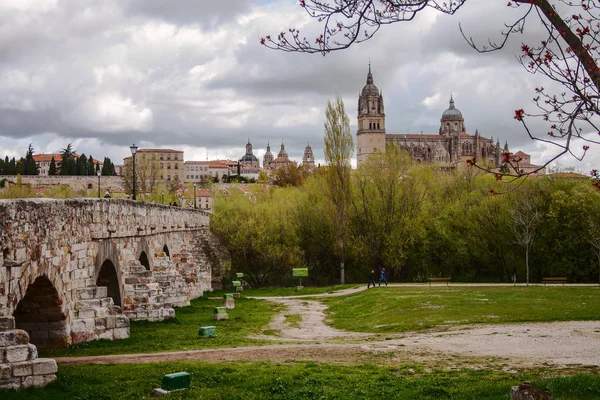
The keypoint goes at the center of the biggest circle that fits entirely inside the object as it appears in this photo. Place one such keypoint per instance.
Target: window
(162, 156)
(168, 177)
(169, 166)
(378, 125)
(176, 157)
(176, 166)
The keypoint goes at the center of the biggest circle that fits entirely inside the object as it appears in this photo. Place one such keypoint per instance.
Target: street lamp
(163, 196)
(133, 149)
(194, 195)
(99, 173)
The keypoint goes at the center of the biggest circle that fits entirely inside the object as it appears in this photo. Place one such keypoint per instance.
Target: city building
(195, 171)
(308, 159)
(449, 147)
(281, 161)
(158, 165)
(42, 162)
(249, 160)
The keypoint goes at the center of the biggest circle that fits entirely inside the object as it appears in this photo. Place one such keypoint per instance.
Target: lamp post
(98, 173)
(163, 196)
(194, 195)
(133, 149)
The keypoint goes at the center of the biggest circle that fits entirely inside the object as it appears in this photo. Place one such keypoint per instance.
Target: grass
(285, 291)
(302, 380)
(399, 309)
(181, 333)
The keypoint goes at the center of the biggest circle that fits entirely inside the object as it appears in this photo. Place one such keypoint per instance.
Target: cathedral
(449, 147)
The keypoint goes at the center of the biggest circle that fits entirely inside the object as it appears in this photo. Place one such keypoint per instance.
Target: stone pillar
(19, 365)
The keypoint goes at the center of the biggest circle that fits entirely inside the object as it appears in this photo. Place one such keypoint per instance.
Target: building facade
(249, 160)
(450, 146)
(159, 165)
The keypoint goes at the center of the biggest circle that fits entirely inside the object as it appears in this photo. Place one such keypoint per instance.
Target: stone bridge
(78, 270)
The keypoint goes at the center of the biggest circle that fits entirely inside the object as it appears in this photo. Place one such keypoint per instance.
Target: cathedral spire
(369, 76)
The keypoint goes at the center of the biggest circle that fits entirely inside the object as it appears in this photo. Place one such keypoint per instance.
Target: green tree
(52, 169)
(108, 168)
(386, 205)
(526, 216)
(67, 164)
(29, 165)
(82, 165)
(91, 166)
(339, 148)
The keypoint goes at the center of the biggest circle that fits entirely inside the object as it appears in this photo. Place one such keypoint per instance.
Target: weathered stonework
(19, 365)
(78, 270)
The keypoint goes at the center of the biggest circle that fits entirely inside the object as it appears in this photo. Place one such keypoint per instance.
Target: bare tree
(339, 148)
(567, 56)
(526, 217)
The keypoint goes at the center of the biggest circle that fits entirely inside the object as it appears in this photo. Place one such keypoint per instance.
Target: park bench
(447, 280)
(562, 280)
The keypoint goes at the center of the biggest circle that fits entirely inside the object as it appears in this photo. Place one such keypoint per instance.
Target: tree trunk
(599, 269)
(342, 274)
(527, 262)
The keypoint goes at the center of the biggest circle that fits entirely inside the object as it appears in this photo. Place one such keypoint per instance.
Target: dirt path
(557, 344)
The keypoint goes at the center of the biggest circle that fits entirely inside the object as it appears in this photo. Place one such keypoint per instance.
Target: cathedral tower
(268, 157)
(370, 136)
(308, 160)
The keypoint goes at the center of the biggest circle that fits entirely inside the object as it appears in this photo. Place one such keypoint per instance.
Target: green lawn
(286, 291)
(181, 333)
(399, 309)
(303, 380)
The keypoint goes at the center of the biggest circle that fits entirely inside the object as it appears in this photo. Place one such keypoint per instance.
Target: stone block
(219, 317)
(107, 334)
(83, 325)
(86, 313)
(58, 333)
(34, 381)
(5, 371)
(100, 324)
(7, 323)
(44, 366)
(121, 333)
(22, 369)
(176, 381)
(18, 354)
(8, 384)
(236, 295)
(82, 336)
(207, 331)
(229, 303)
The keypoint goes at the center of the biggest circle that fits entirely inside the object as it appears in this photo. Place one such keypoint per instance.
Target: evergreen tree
(108, 168)
(67, 165)
(2, 167)
(91, 169)
(20, 166)
(29, 165)
(12, 166)
(82, 165)
(52, 169)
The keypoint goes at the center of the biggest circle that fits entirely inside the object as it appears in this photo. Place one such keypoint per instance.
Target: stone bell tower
(370, 136)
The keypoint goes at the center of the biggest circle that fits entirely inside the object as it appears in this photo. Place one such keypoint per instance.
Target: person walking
(371, 279)
(383, 277)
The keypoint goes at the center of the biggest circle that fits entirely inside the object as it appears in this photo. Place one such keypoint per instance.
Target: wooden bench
(562, 280)
(447, 280)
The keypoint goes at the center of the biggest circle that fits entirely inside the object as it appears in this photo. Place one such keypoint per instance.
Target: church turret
(308, 160)
(282, 153)
(370, 136)
(452, 121)
(268, 157)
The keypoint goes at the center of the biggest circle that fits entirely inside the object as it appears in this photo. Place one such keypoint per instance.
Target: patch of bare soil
(571, 344)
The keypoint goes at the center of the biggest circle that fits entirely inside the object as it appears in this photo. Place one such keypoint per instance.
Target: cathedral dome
(370, 89)
(452, 112)
(249, 158)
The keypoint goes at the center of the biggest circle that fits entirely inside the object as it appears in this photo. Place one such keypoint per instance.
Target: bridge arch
(144, 255)
(108, 271)
(40, 312)
(107, 276)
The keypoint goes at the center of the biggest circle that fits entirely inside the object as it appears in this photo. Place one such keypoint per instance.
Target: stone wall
(111, 183)
(78, 270)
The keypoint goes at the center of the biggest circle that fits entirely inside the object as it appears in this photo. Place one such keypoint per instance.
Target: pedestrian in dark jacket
(382, 277)
(371, 279)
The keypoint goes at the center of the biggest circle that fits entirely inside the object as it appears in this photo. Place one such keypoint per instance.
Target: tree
(292, 174)
(567, 56)
(386, 206)
(67, 165)
(29, 165)
(108, 168)
(339, 148)
(52, 169)
(91, 166)
(526, 217)
(82, 165)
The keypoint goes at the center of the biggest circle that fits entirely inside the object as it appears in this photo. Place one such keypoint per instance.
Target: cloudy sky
(192, 75)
